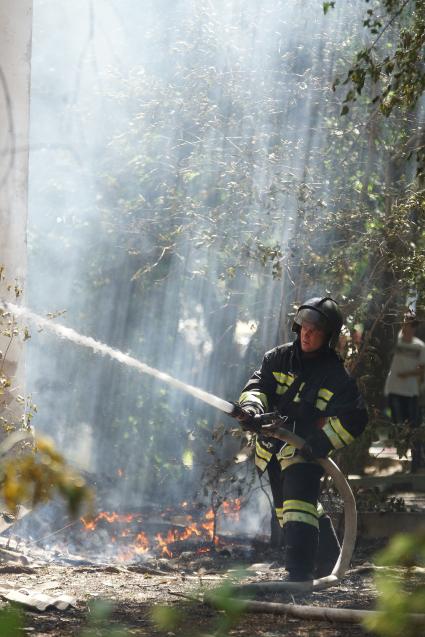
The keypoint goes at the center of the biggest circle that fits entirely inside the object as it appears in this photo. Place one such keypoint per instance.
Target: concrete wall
(15, 64)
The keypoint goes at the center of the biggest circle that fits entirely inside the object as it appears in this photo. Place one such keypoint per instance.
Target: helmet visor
(308, 315)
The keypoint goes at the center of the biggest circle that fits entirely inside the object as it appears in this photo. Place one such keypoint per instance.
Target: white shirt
(407, 358)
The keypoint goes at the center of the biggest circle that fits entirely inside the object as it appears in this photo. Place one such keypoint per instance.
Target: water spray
(105, 350)
(350, 514)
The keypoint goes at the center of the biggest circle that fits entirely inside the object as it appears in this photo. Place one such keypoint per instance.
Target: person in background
(403, 383)
(306, 382)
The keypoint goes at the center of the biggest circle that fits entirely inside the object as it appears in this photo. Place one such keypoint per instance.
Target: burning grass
(133, 534)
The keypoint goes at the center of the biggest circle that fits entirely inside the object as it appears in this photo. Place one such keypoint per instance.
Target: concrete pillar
(15, 64)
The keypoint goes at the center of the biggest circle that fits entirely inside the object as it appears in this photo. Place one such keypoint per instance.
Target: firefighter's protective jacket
(323, 406)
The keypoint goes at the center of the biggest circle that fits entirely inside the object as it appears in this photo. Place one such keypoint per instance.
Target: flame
(162, 544)
(209, 525)
(232, 509)
(139, 542)
(140, 546)
(125, 553)
(175, 535)
(142, 543)
(120, 473)
(90, 525)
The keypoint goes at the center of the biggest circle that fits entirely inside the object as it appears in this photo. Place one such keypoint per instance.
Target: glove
(272, 422)
(246, 418)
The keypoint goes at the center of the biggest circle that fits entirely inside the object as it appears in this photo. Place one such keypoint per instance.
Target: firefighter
(306, 382)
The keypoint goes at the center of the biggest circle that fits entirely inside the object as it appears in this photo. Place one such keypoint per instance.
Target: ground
(134, 590)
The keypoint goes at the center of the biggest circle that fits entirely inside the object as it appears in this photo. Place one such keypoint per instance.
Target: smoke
(173, 146)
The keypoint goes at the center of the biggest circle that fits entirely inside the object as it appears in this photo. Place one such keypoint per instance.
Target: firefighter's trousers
(311, 544)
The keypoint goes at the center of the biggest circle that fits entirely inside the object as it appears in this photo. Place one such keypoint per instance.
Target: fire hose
(350, 516)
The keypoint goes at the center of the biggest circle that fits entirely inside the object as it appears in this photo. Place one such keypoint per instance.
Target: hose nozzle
(258, 423)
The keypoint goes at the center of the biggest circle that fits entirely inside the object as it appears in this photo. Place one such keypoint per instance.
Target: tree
(393, 62)
(228, 188)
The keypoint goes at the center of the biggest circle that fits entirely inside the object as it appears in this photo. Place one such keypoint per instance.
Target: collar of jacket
(305, 360)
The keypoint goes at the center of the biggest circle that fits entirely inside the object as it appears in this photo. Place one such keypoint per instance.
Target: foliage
(404, 553)
(394, 60)
(10, 622)
(16, 411)
(404, 437)
(166, 618)
(377, 501)
(393, 63)
(31, 469)
(33, 478)
(222, 477)
(100, 612)
(327, 6)
(222, 598)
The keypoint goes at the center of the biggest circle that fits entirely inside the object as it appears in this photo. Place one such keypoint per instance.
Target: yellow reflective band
(325, 394)
(297, 398)
(287, 451)
(295, 516)
(263, 453)
(300, 505)
(287, 462)
(254, 397)
(340, 430)
(260, 463)
(284, 379)
(281, 389)
(334, 439)
(321, 404)
(323, 397)
(284, 382)
(320, 510)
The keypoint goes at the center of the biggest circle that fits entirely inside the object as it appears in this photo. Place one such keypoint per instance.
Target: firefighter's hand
(271, 422)
(246, 418)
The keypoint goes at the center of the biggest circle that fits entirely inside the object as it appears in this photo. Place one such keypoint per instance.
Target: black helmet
(324, 313)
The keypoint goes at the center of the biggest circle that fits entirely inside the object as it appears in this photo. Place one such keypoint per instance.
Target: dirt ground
(134, 590)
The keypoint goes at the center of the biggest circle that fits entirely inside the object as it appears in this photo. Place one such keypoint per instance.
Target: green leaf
(327, 6)
(166, 617)
(10, 622)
